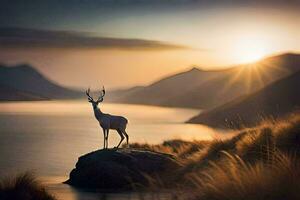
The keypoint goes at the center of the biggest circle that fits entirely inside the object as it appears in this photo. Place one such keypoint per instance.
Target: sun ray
(258, 76)
(232, 80)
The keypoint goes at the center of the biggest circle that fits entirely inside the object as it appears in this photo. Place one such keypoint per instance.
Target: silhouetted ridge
(26, 79)
(206, 89)
(11, 94)
(275, 101)
(195, 69)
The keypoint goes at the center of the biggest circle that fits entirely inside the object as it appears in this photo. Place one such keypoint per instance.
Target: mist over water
(49, 136)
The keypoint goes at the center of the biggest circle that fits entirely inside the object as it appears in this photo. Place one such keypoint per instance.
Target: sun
(249, 50)
(252, 56)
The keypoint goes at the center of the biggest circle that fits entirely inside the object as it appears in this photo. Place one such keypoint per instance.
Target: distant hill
(275, 100)
(11, 94)
(206, 89)
(160, 92)
(23, 82)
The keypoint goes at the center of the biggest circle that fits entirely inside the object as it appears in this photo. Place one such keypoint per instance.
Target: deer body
(107, 121)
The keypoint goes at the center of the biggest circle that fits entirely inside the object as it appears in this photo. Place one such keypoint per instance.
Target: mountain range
(206, 89)
(232, 97)
(274, 101)
(11, 94)
(23, 82)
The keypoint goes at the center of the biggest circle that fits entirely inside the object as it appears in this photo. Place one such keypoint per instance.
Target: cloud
(36, 38)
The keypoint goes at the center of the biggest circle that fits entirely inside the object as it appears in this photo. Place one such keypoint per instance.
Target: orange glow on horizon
(250, 49)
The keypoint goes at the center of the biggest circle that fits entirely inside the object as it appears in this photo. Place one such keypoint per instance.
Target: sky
(123, 43)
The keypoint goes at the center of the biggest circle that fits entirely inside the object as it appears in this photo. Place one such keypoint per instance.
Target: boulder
(121, 169)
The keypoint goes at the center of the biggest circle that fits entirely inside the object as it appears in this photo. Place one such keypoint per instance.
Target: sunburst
(249, 50)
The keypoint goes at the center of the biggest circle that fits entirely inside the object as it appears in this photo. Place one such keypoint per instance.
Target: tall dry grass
(235, 179)
(182, 150)
(257, 163)
(260, 163)
(24, 186)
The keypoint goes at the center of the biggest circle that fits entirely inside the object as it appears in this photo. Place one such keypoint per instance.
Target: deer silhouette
(108, 121)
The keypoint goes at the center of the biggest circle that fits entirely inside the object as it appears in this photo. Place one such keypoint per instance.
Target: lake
(47, 137)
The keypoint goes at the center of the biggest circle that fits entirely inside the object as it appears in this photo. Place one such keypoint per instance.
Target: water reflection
(66, 192)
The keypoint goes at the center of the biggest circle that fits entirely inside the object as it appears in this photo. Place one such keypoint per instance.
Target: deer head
(100, 98)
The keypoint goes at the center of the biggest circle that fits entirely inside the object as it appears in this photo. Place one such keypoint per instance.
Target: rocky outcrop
(121, 169)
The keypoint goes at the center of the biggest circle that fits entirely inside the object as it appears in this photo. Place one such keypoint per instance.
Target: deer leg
(122, 137)
(127, 137)
(103, 138)
(106, 138)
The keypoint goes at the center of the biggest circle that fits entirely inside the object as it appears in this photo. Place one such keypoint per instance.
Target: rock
(121, 169)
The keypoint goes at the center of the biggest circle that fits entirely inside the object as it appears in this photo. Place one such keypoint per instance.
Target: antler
(100, 98)
(87, 92)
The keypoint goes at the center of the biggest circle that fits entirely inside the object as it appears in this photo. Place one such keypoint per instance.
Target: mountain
(167, 88)
(11, 94)
(25, 82)
(275, 100)
(206, 89)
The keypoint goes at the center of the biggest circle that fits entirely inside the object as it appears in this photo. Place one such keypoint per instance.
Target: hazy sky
(122, 43)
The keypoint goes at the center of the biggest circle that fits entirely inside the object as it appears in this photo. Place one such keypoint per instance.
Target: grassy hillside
(275, 100)
(259, 163)
(206, 89)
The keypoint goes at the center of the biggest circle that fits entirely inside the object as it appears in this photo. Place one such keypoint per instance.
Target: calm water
(48, 137)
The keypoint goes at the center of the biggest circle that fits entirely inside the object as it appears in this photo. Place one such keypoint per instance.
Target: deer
(107, 121)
